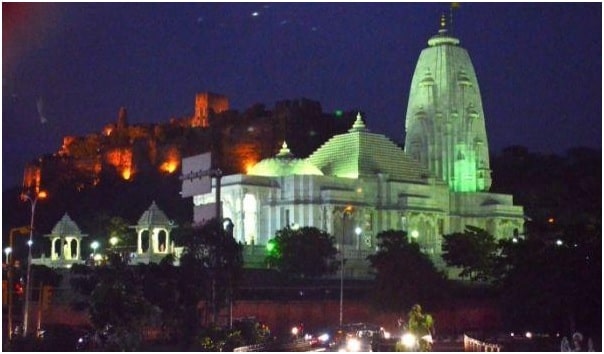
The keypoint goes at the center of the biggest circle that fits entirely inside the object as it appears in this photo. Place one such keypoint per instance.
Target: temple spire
(445, 123)
(284, 152)
(358, 125)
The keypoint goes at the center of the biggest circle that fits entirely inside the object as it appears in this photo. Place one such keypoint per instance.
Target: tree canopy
(213, 258)
(404, 275)
(128, 297)
(473, 250)
(303, 252)
(554, 283)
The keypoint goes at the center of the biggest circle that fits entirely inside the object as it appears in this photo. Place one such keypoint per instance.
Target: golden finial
(443, 21)
(284, 152)
(454, 6)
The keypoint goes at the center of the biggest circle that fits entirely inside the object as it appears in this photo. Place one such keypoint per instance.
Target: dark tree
(118, 310)
(474, 251)
(162, 286)
(305, 252)
(211, 258)
(554, 285)
(42, 275)
(404, 275)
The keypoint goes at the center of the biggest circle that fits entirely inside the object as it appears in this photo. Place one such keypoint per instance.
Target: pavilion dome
(66, 227)
(284, 164)
(154, 216)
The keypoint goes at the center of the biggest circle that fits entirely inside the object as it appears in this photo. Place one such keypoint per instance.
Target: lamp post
(347, 211)
(7, 251)
(94, 245)
(357, 231)
(33, 200)
(228, 225)
(9, 262)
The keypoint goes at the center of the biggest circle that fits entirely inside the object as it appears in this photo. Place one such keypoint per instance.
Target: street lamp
(94, 245)
(33, 200)
(347, 211)
(113, 241)
(23, 230)
(7, 251)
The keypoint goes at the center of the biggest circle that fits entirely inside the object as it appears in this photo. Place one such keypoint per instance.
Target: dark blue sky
(67, 68)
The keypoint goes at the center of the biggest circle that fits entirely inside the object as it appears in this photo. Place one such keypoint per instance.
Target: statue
(421, 325)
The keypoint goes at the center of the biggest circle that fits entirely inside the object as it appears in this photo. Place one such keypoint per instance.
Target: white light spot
(255, 13)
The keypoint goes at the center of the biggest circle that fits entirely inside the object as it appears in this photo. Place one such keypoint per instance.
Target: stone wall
(280, 316)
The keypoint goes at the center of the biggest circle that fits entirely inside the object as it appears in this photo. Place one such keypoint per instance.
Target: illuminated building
(65, 245)
(207, 103)
(153, 236)
(361, 181)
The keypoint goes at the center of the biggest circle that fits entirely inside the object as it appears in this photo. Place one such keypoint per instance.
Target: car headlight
(408, 340)
(353, 345)
(324, 337)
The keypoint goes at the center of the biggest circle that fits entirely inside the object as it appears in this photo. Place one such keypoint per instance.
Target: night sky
(67, 68)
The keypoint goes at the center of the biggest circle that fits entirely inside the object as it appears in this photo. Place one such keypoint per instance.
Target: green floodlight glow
(465, 171)
(339, 113)
(271, 247)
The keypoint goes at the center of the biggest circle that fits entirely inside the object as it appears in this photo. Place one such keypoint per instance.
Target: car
(322, 338)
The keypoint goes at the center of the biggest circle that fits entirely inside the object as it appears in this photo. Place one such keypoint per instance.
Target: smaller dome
(66, 227)
(154, 216)
(284, 164)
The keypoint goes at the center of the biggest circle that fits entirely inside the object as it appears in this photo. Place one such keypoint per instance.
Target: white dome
(284, 164)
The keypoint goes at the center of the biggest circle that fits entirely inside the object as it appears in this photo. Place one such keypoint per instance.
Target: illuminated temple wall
(384, 188)
(436, 186)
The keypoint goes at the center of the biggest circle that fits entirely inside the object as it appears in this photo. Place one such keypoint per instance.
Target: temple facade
(358, 184)
(355, 186)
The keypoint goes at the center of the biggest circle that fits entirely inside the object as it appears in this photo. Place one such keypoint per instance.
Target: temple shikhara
(445, 128)
(358, 184)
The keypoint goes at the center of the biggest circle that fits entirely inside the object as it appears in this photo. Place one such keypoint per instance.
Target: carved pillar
(328, 223)
(139, 248)
(153, 240)
(53, 254)
(63, 240)
(78, 246)
(167, 245)
(66, 248)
